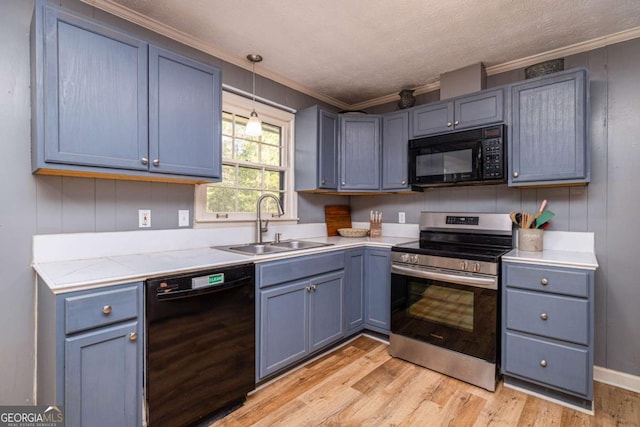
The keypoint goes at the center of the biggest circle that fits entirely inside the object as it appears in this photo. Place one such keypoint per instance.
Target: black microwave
(476, 156)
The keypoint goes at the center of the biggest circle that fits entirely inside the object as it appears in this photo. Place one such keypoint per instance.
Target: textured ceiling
(358, 50)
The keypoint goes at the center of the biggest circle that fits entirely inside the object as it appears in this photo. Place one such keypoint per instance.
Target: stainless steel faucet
(259, 228)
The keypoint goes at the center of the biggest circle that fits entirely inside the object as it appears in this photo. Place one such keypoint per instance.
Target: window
(251, 166)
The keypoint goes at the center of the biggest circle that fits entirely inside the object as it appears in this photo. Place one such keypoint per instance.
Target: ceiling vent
(462, 81)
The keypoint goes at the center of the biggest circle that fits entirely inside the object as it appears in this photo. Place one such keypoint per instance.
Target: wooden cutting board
(338, 216)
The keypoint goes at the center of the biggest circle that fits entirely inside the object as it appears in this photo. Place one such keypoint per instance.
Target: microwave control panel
(492, 158)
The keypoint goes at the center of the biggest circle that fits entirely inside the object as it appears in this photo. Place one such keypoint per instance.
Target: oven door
(443, 163)
(449, 310)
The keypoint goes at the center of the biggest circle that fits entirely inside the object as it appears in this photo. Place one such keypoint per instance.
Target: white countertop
(77, 274)
(558, 258)
(560, 249)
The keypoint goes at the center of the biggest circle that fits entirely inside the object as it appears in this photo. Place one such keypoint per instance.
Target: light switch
(183, 218)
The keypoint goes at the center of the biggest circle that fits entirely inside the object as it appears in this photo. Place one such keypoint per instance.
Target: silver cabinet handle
(106, 309)
(448, 124)
(543, 363)
(516, 174)
(323, 181)
(456, 123)
(544, 316)
(144, 161)
(156, 162)
(544, 282)
(403, 182)
(344, 183)
(314, 288)
(308, 289)
(133, 336)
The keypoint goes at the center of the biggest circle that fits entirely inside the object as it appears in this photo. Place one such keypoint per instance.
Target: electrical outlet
(144, 218)
(401, 218)
(183, 218)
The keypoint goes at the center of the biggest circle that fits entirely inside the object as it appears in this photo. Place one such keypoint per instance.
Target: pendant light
(254, 125)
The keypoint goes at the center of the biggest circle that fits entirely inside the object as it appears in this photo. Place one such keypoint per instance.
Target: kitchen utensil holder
(375, 229)
(530, 239)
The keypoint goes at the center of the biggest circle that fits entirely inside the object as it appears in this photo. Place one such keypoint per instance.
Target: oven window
(441, 305)
(450, 162)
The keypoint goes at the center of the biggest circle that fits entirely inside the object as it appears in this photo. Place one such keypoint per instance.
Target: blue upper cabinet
(548, 138)
(316, 153)
(459, 113)
(359, 152)
(395, 148)
(96, 90)
(93, 88)
(184, 99)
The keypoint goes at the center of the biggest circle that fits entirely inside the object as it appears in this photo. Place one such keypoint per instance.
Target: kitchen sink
(272, 247)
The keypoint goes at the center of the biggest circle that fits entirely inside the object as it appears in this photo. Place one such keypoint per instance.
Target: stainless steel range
(445, 295)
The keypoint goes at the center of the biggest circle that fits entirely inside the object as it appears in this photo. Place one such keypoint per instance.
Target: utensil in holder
(530, 239)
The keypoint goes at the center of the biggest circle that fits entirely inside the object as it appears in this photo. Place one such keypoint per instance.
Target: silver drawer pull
(156, 162)
(133, 336)
(544, 316)
(106, 309)
(457, 122)
(544, 282)
(543, 363)
(144, 161)
(448, 124)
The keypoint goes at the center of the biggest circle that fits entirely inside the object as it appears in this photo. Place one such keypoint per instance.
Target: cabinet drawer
(100, 308)
(567, 368)
(558, 281)
(286, 270)
(548, 315)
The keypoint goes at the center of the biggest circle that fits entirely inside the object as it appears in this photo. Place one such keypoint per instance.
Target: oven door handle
(475, 281)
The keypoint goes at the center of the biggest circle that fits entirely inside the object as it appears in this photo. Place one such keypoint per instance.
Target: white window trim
(240, 105)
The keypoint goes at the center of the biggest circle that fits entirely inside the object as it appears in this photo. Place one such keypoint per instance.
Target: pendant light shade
(254, 125)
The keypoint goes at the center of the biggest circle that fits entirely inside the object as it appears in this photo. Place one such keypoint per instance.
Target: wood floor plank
(361, 385)
(538, 412)
(503, 408)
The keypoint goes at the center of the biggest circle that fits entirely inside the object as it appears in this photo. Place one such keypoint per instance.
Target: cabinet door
(395, 146)
(378, 290)
(103, 379)
(327, 150)
(360, 152)
(354, 273)
(478, 110)
(95, 94)
(326, 310)
(431, 119)
(284, 314)
(548, 135)
(185, 116)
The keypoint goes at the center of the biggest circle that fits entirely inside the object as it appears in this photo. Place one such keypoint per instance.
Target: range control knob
(476, 267)
(463, 265)
(414, 258)
(404, 257)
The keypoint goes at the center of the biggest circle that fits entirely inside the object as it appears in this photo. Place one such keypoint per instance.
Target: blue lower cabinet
(354, 271)
(101, 381)
(547, 330)
(378, 290)
(298, 315)
(90, 354)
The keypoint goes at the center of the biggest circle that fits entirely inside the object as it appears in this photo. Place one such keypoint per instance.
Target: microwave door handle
(475, 281)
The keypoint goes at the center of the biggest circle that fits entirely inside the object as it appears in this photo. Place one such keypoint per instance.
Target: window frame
(242, 106)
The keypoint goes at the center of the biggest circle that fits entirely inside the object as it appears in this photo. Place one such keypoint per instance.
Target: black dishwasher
(200, 344)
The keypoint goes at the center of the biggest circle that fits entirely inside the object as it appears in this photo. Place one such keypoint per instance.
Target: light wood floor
(361, 385)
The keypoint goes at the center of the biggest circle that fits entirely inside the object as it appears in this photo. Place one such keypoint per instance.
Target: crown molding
(573, 49)
(182, 37)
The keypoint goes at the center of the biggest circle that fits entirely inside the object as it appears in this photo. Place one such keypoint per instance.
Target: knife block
(375, 229)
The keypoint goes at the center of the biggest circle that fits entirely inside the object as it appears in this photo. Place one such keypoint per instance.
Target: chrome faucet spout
(259, 227)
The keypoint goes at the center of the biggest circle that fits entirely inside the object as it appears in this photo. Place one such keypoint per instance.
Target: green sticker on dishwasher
(214, 279)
